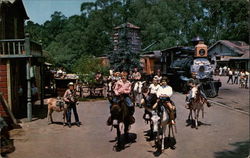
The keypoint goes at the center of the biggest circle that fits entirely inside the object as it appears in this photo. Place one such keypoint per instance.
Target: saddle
(198, 98)
(171, 112)
(59, 103)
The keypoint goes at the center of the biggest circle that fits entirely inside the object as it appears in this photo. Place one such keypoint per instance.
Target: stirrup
(109, 121)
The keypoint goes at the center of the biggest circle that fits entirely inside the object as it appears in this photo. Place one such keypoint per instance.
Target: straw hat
(71, 84)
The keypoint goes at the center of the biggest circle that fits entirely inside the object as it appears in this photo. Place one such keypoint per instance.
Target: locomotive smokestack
(197, 40)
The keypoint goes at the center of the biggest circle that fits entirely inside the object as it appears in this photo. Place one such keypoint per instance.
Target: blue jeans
(68, 114)
(127, 100)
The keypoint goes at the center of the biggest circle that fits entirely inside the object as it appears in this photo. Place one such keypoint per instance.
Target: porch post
(42, 83)
(42, 76)
(29, 104)
(9, 76)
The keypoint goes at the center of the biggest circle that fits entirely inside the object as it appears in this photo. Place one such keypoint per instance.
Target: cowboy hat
(71, 84)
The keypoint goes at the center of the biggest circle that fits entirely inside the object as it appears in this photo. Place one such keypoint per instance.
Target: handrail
(11, 47)
(11, 40)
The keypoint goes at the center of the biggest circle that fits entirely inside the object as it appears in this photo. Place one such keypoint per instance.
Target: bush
(87, 66)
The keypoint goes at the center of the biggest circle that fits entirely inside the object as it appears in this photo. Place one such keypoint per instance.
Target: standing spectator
(130, 76)
(230, 76)
(236, 76)
(246, 78)
(34, 93)
(136, 74)
(99, 79)
(242, 79)
(220, 71)
(224, 70)
(70, 99)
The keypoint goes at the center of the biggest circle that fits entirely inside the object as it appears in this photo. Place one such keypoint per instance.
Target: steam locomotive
(181, 64)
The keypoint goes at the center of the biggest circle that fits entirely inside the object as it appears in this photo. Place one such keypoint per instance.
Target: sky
(40, 11)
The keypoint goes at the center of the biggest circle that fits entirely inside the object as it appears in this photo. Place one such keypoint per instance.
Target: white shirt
(236, 73)
(242, 74)
(153, 88)
(247, 73)
(164, 90)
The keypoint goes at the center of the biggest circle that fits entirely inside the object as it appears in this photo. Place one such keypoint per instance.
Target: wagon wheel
(210, 93)
(210, 90)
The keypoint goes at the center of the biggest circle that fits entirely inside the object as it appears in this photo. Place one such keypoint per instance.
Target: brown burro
(58, 105)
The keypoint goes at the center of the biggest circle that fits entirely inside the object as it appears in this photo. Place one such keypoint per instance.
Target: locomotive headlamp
(200, 50)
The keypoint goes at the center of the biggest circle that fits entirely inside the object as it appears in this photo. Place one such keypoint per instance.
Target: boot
(78, 124)
(187, 106)
(131, 111)
(109, 121)
(69, 124)
(208, 104)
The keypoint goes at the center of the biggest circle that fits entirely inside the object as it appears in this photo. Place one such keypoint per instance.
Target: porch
(21, 62)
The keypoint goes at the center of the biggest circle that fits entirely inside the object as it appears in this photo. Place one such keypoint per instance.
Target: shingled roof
(239, 47)
(128, 25)
(18, 4)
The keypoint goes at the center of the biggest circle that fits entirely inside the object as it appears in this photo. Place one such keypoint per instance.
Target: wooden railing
(19, 47)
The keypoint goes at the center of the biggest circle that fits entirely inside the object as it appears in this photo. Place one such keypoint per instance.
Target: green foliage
(124, 58)
(87, 66)
(171, 22)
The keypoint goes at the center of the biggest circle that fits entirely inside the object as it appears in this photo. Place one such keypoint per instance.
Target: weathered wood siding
(3, 85)
(222, 51)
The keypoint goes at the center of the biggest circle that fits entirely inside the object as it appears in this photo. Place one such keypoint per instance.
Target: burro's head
(155, 119)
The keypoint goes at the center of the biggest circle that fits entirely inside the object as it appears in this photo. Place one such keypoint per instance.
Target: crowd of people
(235, 76)
(123, 84)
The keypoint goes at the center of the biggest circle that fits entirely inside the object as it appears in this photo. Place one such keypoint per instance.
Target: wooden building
(20, 59)
(234, 54)
(151, 61)
(133, 36)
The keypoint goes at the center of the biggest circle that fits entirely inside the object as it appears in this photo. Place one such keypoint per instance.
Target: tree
(124, 58)
(170, 22)
(87, 66)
